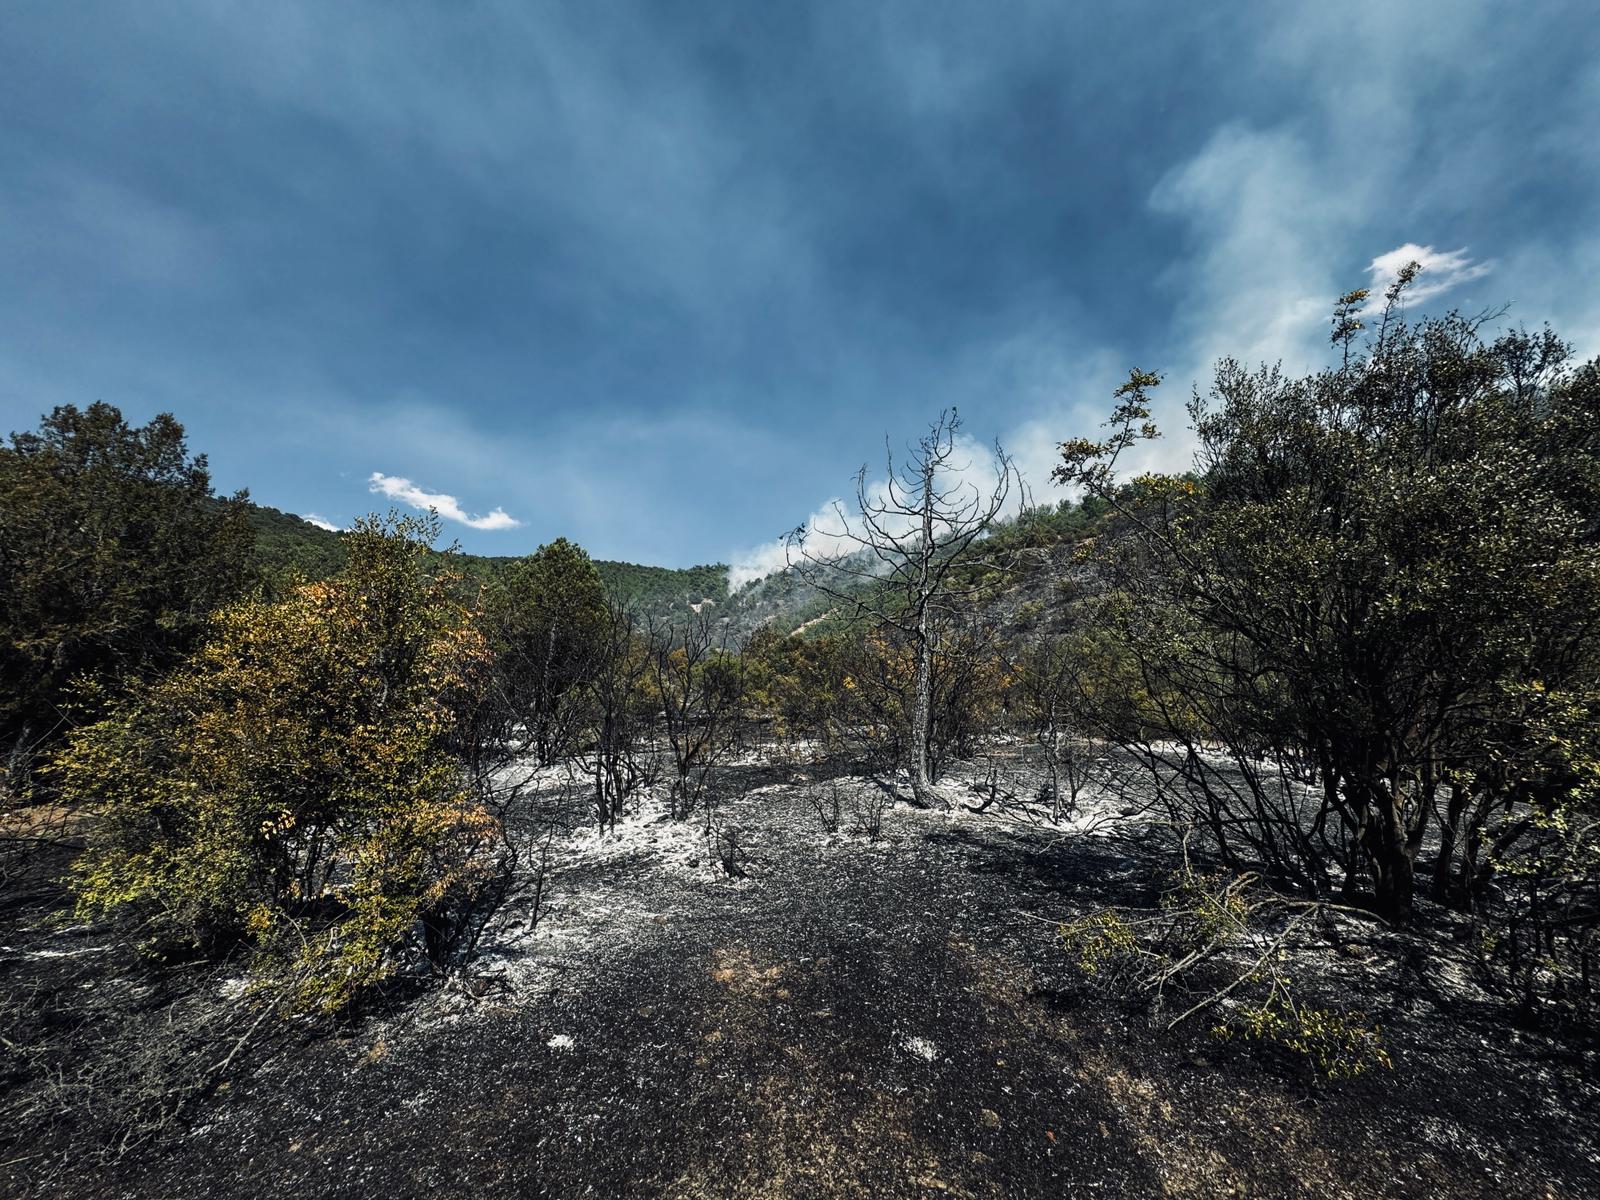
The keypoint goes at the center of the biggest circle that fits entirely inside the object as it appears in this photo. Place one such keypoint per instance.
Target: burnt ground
(888, 1019)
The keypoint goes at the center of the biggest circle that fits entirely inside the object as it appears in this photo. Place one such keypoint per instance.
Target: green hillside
(287, 545)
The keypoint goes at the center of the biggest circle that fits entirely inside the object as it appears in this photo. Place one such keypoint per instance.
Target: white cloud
(1442, 271)
(398, 488)
(320, 522)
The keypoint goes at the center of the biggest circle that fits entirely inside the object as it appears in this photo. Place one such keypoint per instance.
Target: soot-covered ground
(856, 1018)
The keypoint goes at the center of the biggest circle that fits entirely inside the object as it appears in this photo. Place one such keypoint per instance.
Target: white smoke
(832, 532)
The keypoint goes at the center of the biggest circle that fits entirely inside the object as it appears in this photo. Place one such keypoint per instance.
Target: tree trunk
(1394, 879)
(1055, 767)
(1444, 888)
(921, 784)
(1393, 871)
(922, 708)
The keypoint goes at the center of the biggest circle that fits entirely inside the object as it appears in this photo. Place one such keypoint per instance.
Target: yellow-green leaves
(294, 783)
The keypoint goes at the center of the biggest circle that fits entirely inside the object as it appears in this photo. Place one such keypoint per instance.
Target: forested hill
(287, 544)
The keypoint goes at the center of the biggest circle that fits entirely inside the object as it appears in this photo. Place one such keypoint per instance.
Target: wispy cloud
(320, 522)
(1442, 271)
(397, 487)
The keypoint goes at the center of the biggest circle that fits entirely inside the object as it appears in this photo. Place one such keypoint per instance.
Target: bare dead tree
(826, 799)
(894, 561)
(617, 703)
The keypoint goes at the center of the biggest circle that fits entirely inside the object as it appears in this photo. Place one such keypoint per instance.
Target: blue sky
(660, 277)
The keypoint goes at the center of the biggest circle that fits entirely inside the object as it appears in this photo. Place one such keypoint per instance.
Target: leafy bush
(1339, 1045)
(1372, 567)
(550, 621)
(1212, 921)
(296, 783)
(1541, 938)
(1103, 942)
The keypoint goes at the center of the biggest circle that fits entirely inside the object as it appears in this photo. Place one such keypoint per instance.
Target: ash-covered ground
(851, 1017)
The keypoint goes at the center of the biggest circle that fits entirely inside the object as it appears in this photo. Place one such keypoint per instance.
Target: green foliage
(1068, 521)
(554, 595)
(855, 687)
(1207, 909)
(799, 683)
(290, 549)
(1211, 922)
(1337, 1045)
(1102, 942)
(550, 618)
(295, 783)
(1542, 946)
(1368, 558)
(113, 551)
(786, 603)
(661, 589)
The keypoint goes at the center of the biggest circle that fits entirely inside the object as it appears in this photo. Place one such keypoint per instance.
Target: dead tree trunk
(892, 559)
(922, 683)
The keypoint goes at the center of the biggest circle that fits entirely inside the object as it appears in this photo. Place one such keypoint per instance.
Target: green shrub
(294, 784)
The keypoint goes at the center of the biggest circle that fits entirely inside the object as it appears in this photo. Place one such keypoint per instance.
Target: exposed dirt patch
(739, 972)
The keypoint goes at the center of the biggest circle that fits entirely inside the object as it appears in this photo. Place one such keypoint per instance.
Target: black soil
(860, 1020)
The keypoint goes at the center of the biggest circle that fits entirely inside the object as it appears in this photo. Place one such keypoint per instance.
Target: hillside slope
(290, 545)
(1013, 576)
(1037, 546)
